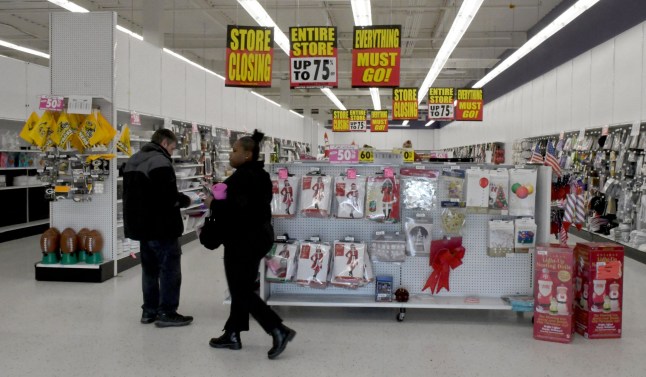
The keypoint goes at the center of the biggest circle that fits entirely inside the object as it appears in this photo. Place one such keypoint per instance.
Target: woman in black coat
(244, 217)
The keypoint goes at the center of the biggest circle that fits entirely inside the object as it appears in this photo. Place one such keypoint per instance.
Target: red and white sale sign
(344, 154)
(250, 56)
(470, 104)
(376, 56)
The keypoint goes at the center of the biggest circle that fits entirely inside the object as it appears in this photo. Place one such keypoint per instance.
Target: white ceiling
(197, 30)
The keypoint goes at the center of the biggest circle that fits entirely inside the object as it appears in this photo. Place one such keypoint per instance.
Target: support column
(285, 94)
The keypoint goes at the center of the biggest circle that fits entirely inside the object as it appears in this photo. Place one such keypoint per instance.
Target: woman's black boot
(281, 336)
(230, 339)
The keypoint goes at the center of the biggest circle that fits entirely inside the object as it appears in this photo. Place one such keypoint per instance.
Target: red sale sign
(344, 154)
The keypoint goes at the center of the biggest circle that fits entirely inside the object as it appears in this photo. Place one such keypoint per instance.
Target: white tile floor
(79, 329)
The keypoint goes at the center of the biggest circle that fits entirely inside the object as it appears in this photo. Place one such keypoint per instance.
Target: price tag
(344, 154)
(312, 71)
(53, 103)
(281, 238)
(409, 155)
(358, 125)
(351, 173)
(388, 172)
(135, 119)
(581, 134)
(380, 233)
(562, 135)
(283, 173)
(79, 105)
(419, 167)
(440, 112)
(349, 239)
(367, 155)
(635, 130)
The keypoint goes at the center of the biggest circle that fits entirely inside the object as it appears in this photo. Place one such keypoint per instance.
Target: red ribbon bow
(446, 255)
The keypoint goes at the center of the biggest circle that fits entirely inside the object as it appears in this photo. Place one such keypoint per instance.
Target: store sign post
(469, 105)
(340, 121)
(313, 57)
(250, 56)
(379, 121)
(358, 120)
(376, 55)
(405, 104)
(440, 103)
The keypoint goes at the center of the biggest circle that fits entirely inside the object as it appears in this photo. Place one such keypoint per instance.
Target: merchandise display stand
(487, 278)
(82, 63)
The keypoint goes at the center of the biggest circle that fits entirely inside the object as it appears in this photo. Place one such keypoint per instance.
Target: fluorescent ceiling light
(194, 64)
(69, 6)
(24, 49)
(429, 123)
(362, 12)
(266, 99)
(135, 35)
(295, 113)
(466, 14)
(561, 21)
(259, 14)
(376, 101)
(333, 98)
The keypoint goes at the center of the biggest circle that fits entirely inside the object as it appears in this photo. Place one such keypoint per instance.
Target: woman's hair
(252, 143)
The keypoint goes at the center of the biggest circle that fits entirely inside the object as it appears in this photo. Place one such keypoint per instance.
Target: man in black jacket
(151, 213)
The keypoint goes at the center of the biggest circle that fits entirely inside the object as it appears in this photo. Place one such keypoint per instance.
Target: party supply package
(477, 196)
(522, 199)
(418, 236)
(501, 238)
(524, 235)
(419, 188)
(499, 192)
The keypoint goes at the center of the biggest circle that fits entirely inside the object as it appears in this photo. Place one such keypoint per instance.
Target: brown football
(49, 241)
(94, 242)
(68, 241)
(81, 238)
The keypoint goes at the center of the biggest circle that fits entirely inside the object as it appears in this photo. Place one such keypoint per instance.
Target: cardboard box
(554, 294)
(599, 289)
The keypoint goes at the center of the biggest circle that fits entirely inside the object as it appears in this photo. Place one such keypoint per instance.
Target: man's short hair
(163, 134)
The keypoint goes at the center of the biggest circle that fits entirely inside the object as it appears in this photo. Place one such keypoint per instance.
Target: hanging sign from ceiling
(376, 53)
(440, 103)
(379, 121)
(358, 120)
(469, 104)
(313, 57)
(405, 104)
(340, 121)
(250, 55)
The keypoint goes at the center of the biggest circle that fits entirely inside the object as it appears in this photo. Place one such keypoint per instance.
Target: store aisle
(78, 329)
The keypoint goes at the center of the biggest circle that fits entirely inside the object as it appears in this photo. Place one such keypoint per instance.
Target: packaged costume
(316, 196)
(418, 236)
(382, 199)
(280, 262)
(313, 264)
(350, 196)
(419, 188)
(348, 268)
(522, 197)
(285, 192)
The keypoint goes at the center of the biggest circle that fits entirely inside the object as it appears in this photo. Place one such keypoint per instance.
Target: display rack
(480, 275)
(82, 63)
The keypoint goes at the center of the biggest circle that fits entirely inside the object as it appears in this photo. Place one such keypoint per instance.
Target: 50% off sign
(344, 154)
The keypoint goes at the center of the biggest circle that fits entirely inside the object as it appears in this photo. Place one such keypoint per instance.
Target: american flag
(537, 157)
(550, 158)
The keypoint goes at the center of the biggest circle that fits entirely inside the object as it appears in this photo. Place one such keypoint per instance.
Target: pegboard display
(479, 275)
(82, 48)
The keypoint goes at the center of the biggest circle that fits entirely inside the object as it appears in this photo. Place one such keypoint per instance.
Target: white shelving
(191, 189)
(191, 177)
(193, 206)
(26, 168)
(183, 166)
(23, 225)
(22, 187)
(78, 265)
(21, 150)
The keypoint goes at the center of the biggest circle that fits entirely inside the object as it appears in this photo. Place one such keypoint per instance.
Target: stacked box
(599, 289)
(554, 294)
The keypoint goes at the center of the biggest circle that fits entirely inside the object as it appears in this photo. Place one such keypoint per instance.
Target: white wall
(153, 82)
(603, 86)
(394, 138)
(22, 85)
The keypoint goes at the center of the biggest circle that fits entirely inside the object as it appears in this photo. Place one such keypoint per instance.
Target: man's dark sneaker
(230, 339)
(148, 317)
(172, 319)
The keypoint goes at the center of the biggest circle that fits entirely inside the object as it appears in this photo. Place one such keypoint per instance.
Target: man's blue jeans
(161, 275)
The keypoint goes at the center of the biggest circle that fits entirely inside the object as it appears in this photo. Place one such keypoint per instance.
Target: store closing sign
(440, 103)
(313, 57)
(358, 120)
(405, 103)
(340, 121)
(376, 55)
(469, 105)
(379, 121)
(250, 54)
